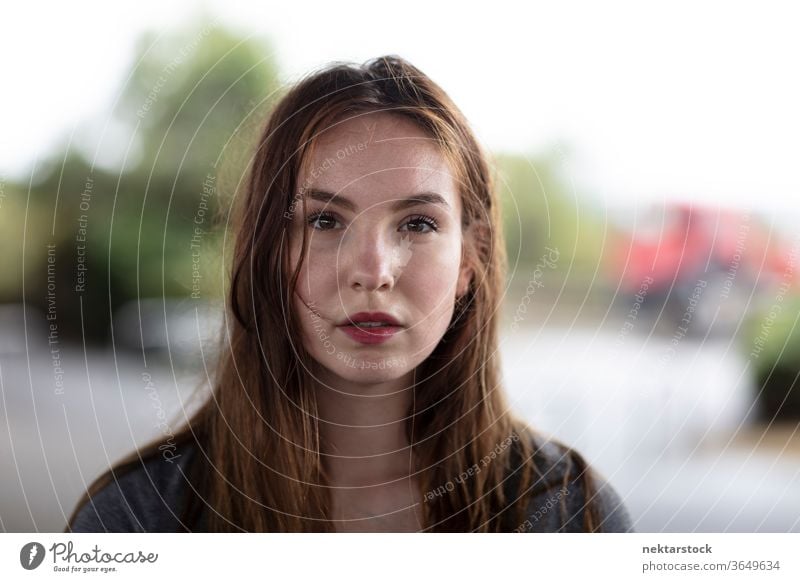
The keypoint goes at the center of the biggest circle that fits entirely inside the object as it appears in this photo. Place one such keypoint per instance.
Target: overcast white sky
(676, 100)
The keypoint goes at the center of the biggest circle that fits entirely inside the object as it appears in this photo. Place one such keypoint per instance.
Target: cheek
(432, 280)
(435, 281)
(317, 276)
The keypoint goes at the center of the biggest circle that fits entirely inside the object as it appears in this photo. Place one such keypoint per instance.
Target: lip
(378, 316)
(376, 335)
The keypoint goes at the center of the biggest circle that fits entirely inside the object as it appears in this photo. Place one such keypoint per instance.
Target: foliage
(185, 123)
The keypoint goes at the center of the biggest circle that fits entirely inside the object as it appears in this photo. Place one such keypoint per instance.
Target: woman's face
(383, 221)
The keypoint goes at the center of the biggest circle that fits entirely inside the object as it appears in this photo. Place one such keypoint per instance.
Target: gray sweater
(150, 499)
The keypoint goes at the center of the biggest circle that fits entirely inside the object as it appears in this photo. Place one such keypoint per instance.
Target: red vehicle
(701, 267)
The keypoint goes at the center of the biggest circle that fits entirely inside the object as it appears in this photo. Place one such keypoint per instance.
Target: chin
(368, 370)
(373, 369)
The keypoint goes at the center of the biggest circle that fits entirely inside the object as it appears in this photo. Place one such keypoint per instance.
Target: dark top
(151, 497)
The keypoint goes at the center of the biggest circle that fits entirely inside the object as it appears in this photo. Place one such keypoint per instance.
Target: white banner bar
(400, 557)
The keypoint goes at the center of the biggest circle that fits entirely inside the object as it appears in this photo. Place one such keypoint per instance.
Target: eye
(421, 224)
(322, 221)
(422, 221)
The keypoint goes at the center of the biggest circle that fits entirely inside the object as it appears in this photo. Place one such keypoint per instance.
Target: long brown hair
(259, 466)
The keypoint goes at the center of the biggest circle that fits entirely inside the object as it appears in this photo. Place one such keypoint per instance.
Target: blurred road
(55, 440)
(669, 429)
(655, 418)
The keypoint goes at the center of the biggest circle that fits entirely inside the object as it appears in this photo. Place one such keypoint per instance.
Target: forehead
(378, 157)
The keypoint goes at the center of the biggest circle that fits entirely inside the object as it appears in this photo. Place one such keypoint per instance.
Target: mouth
(370, 319)
(370, 327)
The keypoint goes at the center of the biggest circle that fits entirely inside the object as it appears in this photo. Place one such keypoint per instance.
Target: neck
(363, 429)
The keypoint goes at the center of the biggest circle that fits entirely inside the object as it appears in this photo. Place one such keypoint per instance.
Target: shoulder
(146, 498)
(565, 489)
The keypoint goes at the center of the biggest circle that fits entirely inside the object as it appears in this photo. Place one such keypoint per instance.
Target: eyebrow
(413, 200)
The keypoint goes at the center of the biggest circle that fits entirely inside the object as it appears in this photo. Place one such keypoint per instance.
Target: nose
(368, 260)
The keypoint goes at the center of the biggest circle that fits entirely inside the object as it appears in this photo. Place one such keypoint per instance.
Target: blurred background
(646, 160)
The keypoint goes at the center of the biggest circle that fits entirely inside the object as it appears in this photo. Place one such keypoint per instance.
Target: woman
(360, 389)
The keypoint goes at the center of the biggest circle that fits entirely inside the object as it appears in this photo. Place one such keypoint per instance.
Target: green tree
(541, 209)
(185, 126)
